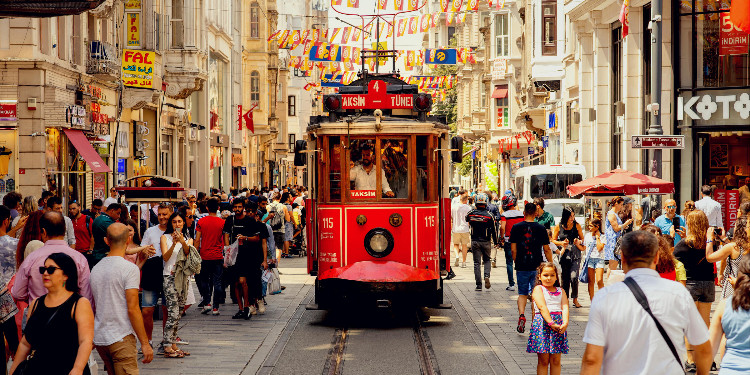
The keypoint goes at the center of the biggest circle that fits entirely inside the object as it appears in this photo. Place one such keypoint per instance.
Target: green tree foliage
(464, 168)
(448, 106)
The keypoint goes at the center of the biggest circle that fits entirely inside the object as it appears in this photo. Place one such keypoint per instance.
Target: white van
(550, 181)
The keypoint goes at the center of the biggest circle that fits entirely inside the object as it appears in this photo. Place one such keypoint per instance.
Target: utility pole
(655, 156)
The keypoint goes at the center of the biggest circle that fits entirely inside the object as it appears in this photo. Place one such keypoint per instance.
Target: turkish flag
(739, 14)
(249, 120)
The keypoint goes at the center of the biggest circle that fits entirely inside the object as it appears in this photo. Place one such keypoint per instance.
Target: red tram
(378, 227)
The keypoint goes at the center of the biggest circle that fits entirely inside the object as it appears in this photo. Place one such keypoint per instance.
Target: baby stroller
(297, 247)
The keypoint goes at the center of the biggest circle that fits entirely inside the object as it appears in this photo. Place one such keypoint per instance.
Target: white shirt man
(710, 207)
(622, 338)
(112, 197)
(364, 180)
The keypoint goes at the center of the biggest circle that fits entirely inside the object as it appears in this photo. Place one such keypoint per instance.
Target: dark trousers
(210, 281)
(570, 262)
(509, 262)
(481, 255)
(10, 332)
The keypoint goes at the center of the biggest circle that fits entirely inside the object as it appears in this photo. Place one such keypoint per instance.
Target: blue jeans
(509, 263)
(210, 281)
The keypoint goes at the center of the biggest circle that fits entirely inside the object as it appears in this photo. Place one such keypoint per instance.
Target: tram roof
(366, 125)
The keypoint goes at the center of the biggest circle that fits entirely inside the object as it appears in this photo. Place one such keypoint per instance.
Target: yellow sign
(133, 29)
(382, 46)
(132, 4)
(138, 68)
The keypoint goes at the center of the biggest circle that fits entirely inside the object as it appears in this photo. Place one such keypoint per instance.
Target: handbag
(641, 298)
(583, 274)
(230, 254)
(274, 282)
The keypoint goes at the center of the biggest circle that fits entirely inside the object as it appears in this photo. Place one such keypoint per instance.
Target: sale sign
(732, 40)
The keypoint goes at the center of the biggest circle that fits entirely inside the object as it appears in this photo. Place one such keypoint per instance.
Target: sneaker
(200, 305)
(180, 341)
(160, 350)
(511, 288)
(456, 264)
(253, 310)
(487, 282)
(264, 301)
(521, 324)
(215, 312)
(494, 263)
(690, 367)
(206, 309)
(479, 287)
(463, 265)
(713, 367)
(450, 275)
(246, 314)
(239, 315)
(261, 308)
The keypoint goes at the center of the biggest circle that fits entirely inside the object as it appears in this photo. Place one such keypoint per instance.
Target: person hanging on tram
(363, 176)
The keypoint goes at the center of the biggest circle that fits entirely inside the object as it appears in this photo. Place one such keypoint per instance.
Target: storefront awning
(500, 93)
(82, 144)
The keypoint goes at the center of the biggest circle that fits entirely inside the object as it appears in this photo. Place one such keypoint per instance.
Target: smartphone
(676, 224)
(717, 231)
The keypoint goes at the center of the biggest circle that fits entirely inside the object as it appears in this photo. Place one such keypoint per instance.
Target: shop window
(254, 20)
(549, 28)
(255, 86)
(291, 105)
(502, 35)
(451, 33)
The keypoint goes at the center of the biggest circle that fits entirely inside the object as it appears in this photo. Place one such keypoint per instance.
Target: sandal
(521, 324)
(173, 354)
(183, 353)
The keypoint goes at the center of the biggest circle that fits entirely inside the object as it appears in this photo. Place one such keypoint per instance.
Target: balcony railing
(102, 60)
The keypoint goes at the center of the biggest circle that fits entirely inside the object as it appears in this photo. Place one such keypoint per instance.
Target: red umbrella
(621, 182)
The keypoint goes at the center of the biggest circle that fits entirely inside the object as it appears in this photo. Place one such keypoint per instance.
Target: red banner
(730, 203)
(7, 112)
(732, 40)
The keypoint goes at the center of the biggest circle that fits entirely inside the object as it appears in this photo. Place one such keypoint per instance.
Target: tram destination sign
(377, 97)
(658, 141)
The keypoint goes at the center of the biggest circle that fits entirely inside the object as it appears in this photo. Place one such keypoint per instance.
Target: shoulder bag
(641, 298)
(583, 273)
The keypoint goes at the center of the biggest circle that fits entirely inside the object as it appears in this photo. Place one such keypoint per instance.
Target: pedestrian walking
(731, 254)
(460, 229)
(118, 321)
(288, 223)
(528, 243)
(710, 207)
(594, 243)
(613, 227)
(745, 191)
(31, 238)
(508, 218)
(64, 349)
(101, 223)
(28, 207)
(569, 240)
(483, 236)
(55, 204)
(732, 322)
(621, 337)
(112, 198)
(8, 308)
(495, 211)
(174, 240)
(251, 261)
(670, 222)
(543, 217)
(95, 209)
(548, 337)
(209, 238)
(82, 228)
(689, 207)
(152, 278)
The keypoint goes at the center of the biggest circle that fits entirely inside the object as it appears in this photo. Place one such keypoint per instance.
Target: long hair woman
(568, 237)
(730, 322)
(732, 253)
(174, 240)
(31, 238)
(594, 242)
(60, 328)
(28, 207)
(613, 227)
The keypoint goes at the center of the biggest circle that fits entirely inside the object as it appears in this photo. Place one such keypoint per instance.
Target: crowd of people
(97, 274)
(647, 323)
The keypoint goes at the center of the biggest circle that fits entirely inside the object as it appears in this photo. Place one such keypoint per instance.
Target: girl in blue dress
(548, 337)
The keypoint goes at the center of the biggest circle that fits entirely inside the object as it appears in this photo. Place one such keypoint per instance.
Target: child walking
(548, 337)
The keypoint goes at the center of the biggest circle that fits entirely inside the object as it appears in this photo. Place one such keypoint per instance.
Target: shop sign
(236, 160)
(132, 4)
(732, 40)
(730, 203)
(133, 39)
(100, 187)
(662, 141)
(99, 121)
(8, 112)
(75, 116)
(138, 68)
(94, 92)
(705, 107)
(499, 68)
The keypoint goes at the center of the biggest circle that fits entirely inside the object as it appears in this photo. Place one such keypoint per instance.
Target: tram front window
(395, 166)
(363, 171)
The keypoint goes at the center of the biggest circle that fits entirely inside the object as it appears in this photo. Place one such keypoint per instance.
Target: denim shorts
(149, 298)
(701, 291)
(597, 263)
(526, 281)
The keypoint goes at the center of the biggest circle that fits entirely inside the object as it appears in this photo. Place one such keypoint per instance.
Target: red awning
(621, 182)
(500, 93)
(82, 144)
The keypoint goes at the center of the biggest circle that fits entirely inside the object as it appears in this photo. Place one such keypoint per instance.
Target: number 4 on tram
(378, 220)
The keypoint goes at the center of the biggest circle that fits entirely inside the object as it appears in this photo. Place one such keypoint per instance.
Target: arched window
(254, 20)
(254, 86)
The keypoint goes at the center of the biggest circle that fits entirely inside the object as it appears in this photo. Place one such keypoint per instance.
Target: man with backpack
(483, 234)
(82, 227)
(276, 219)
(508, 218)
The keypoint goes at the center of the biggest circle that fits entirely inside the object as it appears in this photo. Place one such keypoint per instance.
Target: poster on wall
(719, 156)
(732, 40)
(138, 68)
(100, 188)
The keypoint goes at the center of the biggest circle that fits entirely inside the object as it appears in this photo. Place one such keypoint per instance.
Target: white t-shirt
(590, 243)
(152, 236)
(109, 280)
(169, 264)
(368, 181)
(108, 201)
(459, 218)
(620, 324)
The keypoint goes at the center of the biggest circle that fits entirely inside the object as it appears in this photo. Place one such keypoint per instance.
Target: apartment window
(292, 105)
(451, 33)
(437, 41)
(61, 42)
(482, 94)
(292, 139)
(255, 86)
(254, 20)
(572, 121)
(178, 29)
(549, 28)
(502, 36)
(503, 116)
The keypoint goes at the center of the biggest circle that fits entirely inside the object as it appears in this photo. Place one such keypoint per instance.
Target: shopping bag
(230, 254)
(274, 283)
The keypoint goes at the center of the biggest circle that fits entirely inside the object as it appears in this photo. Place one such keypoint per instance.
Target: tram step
(312, 306)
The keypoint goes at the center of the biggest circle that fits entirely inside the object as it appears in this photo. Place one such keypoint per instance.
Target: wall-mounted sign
(236, 160)
(732, 40)
(138, 68)
(75, 116)
(499, 68)
(133, 29)
(662, 141)
(8, 112)
(705, 107)
(132, 4)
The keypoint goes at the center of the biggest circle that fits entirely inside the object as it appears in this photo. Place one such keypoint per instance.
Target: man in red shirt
(209, 239)
(82, 227)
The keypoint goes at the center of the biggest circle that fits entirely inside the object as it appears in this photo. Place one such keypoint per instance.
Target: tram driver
(363, 177)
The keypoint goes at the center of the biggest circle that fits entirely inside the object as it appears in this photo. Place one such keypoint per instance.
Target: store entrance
(724, 158)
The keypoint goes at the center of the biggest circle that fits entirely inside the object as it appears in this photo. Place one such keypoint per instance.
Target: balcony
(102, 61)
(184, 71)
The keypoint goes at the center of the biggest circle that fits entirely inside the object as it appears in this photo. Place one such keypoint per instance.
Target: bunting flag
(461, 17)
(282, 37)
(355, 35)
(401, 27)
(356, 54)
(352, 3)
(473, 5)
(456, 5)
(274, 35)
(449, 18)
(624, 17)
(739, 14)
(345, 35)
(413, 24)
(348, 65)
(368, 29)
(346, 53)
(336, 2)
(315, 35)
(390, 31)
(382, 4)
(333, 53)
(398, 4)
(305, 34)
(424, 25)
(322, 52)
(382, 30)
(413, 4)
(409, 58)
(334, 33)
(307, 47)
(444, 4)
(435, 20)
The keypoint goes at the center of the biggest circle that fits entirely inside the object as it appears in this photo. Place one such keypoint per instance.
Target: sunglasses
(191, 217)
(49, 270)
(671, 206)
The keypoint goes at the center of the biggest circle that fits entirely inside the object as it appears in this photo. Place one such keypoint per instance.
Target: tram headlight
(422, 102)
(378, 242)
(332, 103)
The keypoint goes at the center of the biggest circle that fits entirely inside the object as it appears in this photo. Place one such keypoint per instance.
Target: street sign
(659, 141)
(376, 97)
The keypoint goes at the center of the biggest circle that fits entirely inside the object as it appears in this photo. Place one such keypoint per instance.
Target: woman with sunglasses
(174, 240)
(60, 328)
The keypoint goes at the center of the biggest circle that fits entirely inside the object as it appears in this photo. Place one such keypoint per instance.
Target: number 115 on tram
(378, 222)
